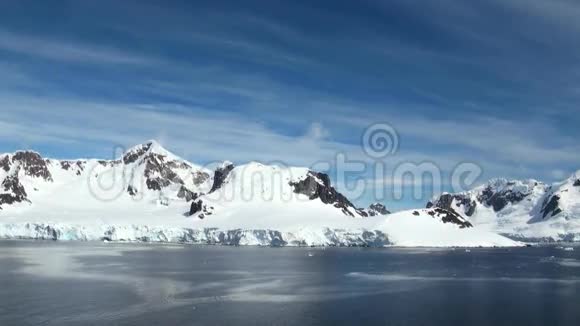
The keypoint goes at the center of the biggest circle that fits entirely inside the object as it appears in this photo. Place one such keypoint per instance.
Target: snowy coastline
(317, 237)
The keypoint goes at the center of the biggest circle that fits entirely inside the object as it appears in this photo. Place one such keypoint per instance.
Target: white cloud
(516, 141)
(199, 134)
(199, 131)
(196, 133)
(563, 13)
(63, 50)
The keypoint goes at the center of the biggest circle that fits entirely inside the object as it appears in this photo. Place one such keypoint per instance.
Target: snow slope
(528, 210)
(150, 194)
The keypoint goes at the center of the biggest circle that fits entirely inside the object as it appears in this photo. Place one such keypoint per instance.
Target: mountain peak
(498, 185)
(148, 147)
(153, 145)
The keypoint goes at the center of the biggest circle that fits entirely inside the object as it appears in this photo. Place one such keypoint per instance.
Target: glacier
(207, 236)
(395, 231)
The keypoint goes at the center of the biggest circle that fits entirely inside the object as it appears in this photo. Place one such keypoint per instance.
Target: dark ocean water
(58, 283)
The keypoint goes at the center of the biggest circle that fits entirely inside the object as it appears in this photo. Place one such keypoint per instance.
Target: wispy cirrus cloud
(65, 50)
(494, 83)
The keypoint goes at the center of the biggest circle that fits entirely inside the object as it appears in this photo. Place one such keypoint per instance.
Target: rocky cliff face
(220, 176)
(198, 207)
(449, 216)
(32, 164)
(13, 191)
(522, 209)
(550, 206)
(5, 163)
(561, 199)
(497, 194)
(77, 166)
(22, 164)
(146, 168)
(377, 209)
(455, 201)
(162, 170)
(317, 185)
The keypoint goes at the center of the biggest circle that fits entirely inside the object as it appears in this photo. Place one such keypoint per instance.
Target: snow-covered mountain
(145, 173)
(523, 209)
(150, 194)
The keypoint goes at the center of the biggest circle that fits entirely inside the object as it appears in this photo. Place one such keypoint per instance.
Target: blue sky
(496, 83)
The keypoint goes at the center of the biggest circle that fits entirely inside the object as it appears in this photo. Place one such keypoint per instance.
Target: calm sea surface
(59, 283)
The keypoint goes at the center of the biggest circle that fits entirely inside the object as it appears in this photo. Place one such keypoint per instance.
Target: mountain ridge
(150, 188)
(521, 208)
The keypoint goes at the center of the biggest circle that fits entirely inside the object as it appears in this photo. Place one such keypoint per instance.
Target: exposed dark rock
(5, 163)
(133, 155)
(470, 206)
(220, 176)
(577, 183)
(178, 165)
(158, 169)
(446, 200)
(197, 206)
(157, 183)
(9, 199)
(551, 206)
(377, 209)
(499, 200)
(317, 185)
(80, 165)
(158, 174)
(67, 165)
(33, 165)
(199, 177)
(12, 184)
(14, 191)
(450, 216)
(131, 190)
(416, 213)
(186, 194)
